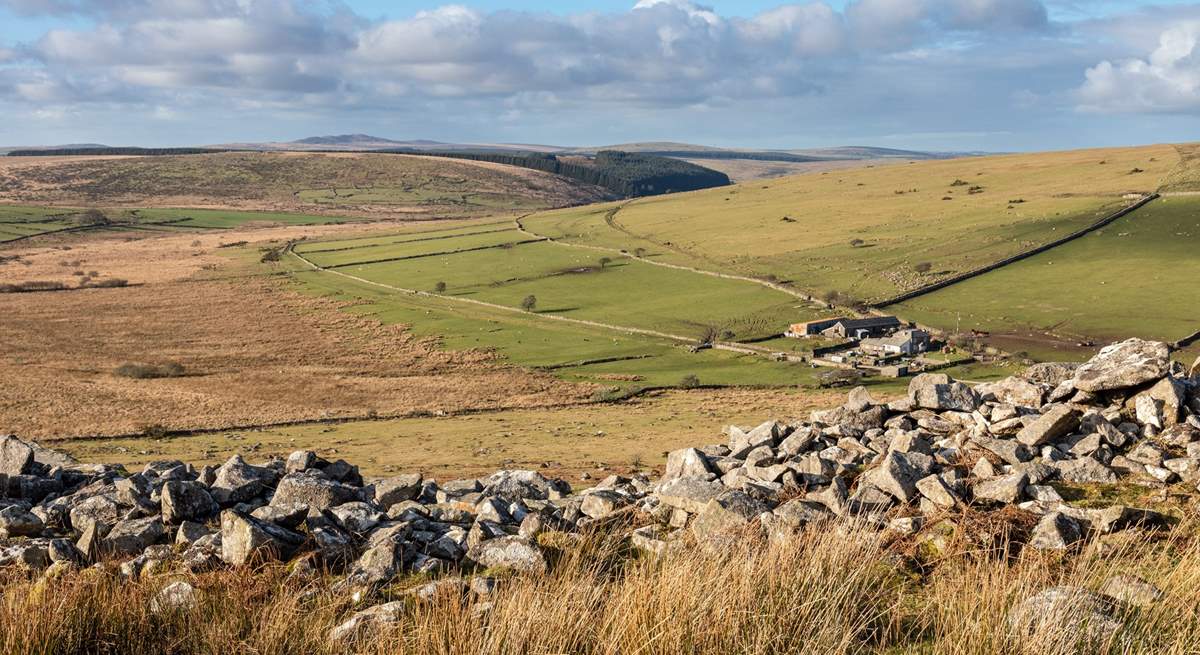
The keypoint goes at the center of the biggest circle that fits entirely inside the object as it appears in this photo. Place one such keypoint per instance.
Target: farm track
(726, 276)
(733, 347)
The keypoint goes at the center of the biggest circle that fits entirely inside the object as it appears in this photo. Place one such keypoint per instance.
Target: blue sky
(928, 74)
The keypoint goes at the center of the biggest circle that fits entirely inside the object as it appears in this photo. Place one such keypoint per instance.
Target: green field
(868, 233)
(1138, 276)
(573, 283)
(19, 221)
(414, 248)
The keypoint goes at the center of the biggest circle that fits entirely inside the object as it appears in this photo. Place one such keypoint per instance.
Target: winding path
(735, 347)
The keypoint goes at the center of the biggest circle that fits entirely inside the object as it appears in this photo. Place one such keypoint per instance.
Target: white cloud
(1168, 80)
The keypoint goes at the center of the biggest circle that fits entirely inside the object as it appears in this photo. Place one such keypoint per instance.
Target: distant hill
(4, 150)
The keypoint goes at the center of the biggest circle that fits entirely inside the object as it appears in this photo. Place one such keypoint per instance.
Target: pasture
(581, 284)
(571, 283)
(1136, 276)
(868, 233)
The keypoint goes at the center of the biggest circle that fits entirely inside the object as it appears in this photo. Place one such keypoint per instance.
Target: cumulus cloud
(1166, 81)
(673, 52)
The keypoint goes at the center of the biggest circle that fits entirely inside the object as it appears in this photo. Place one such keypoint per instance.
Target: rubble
(1128, 415)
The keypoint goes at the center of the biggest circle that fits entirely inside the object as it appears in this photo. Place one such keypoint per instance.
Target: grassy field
(571, 441)
(573, 283)
(1134, 277)
(343, 255)
(869, 233)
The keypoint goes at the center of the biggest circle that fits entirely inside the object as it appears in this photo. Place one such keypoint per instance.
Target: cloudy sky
(928, 74)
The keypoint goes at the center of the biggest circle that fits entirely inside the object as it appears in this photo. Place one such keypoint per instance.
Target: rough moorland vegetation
(1050, 513)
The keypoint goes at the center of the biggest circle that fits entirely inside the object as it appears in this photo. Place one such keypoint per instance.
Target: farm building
(862, 328)
(812, 328)
(903, 342)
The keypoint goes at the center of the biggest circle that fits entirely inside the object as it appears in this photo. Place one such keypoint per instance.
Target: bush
(689, 381)
(109, 283)
(440, 287)
(923, 267)
(149, 371)
(272, 255)
(529, 302)
(32, 285)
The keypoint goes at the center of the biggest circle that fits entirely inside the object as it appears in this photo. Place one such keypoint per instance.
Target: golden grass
(955, 214)
(841, 590)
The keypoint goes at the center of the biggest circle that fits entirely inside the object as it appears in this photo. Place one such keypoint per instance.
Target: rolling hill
(349, 184)
(865, 234)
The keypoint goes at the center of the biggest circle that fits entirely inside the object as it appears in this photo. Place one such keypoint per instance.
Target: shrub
(92, 217)
(855, 243)
(109, 283)
(689, 381)
(32, 285)
(923, 267)
(440, 287)
(605, 261)
(271, 255)
(529, 302)
(149, 371)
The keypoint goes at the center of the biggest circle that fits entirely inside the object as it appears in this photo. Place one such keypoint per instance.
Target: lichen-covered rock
(1130, 363)
(244, 538)
(513, 553)
(186, 501)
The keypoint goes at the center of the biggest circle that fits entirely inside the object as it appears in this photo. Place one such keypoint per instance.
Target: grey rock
(244, 538)
(937, 491)
(938, 392)
(1002, 489)
(1131, 590)
(1051, 374)
(898, 474)
(16, 456)
(396, 489)
(513, 553)
(1059, 421)
(312, 489)
(1070, 615)
(16, 521)
(361, 624)
(690, 494)
(1085, 469)
(186, 501)
(175, 597)
(730, 511)
(132, 536)
(599, 504)
(1055, 531)
(237, 482)
(1130, 363)
(686, 462)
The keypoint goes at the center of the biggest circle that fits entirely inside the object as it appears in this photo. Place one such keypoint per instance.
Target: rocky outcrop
(1129, 414)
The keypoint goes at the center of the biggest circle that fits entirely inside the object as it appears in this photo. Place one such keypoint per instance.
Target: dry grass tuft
(837, 590)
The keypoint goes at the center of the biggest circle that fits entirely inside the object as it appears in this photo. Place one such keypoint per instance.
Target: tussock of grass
(838, 590)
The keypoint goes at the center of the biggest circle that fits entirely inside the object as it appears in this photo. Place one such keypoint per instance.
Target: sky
(950, 75)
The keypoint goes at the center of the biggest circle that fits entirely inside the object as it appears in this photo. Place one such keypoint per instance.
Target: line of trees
(76, 152)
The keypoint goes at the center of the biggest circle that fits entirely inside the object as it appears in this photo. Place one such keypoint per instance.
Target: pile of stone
(1129, 413)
